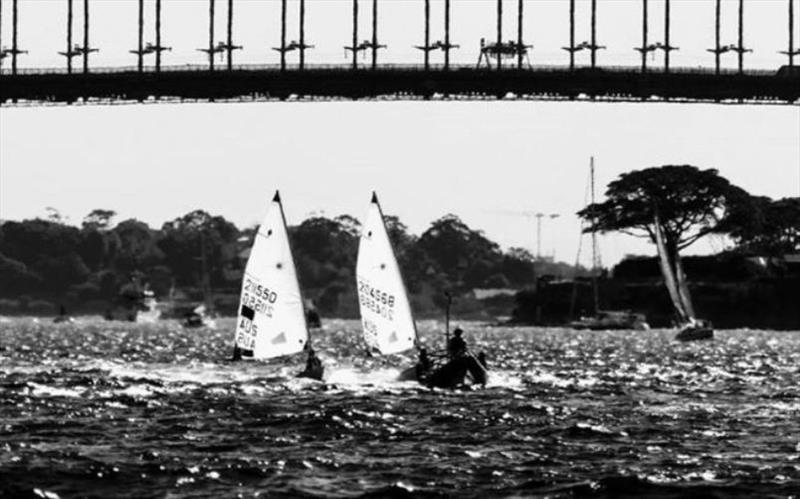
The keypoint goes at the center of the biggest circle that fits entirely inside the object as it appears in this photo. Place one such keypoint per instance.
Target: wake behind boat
(272, 319)
(386, 317)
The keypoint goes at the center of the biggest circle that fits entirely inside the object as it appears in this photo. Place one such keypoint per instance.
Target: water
(97, 409)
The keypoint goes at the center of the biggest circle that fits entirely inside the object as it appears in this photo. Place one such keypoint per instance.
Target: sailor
(237, 353)
(313, 364)
(424, 360)
(423, 363)
(457, 347)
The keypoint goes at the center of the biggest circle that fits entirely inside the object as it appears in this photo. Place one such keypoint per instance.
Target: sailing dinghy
(386, 317)
(691, 328)
(272, 321)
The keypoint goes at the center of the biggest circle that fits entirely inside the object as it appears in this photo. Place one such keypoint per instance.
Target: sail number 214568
(372, 298)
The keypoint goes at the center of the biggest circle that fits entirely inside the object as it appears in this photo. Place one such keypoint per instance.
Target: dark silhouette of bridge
(507, 71)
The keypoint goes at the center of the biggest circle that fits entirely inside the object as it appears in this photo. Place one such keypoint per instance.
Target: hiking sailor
(457, 347)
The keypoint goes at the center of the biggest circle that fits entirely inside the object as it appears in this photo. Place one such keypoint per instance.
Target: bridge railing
(412, 67)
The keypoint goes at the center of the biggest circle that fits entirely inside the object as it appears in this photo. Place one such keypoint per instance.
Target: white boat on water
(386, 317)
(271, 320)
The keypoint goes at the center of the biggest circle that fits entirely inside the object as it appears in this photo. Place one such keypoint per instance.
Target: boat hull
(459, 371)
(695, 334)
(312, 373)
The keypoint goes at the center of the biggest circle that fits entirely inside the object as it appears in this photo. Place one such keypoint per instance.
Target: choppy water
(96, 409)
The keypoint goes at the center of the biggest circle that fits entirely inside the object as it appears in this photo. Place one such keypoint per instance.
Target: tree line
(93, 265)
(44, 262)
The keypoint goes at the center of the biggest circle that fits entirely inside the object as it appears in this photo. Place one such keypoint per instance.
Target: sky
(493, 163)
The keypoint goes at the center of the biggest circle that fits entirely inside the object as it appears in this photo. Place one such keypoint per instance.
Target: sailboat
(603, 319)
(386, 317)
(272, 321)
(691, 328)
(201, 315)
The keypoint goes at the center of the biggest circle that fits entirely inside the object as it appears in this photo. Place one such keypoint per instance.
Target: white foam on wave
(202, 373)
(503, 379)
(353, 376)
(547, 378)
(37, 390)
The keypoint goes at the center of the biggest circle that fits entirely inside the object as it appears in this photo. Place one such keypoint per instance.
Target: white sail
(386, 317)
(271, 319)
(669, 276)
(683, 288)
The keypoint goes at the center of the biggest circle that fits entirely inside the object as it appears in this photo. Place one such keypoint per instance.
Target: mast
(717, 49)
(447, 320)
(741, 36)
(595, 290)
(571, 35)
(69, 36)
(277, 199)
(667, 47)
(427, 33)
(397, 264)
(644, 36)
(666, 270)
(140, 53)
(85, 35)
(283, 35)
(519, 34)
(206, 281)
(594, 33)
(355, 34)
(230, 35)
(211, 35)
(374, 33)
(14, 22)
(446, 34)
(302, 34)
(499, 33)
(791, 33)
(1, 36)
(158, 35)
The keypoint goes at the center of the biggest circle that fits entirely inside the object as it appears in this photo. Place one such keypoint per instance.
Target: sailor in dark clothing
(314, 368)
(237, 352)
(423, 363)
(457, 346)
(424, 360)
(312, 362)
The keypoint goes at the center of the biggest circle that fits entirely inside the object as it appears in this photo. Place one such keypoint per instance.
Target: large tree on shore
(764, 226)
(673, 206)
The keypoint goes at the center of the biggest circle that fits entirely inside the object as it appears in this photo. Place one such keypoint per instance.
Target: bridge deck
(267, 82)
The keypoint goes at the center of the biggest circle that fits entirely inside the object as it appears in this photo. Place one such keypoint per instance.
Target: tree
(453, 248)
(517, 267)
(15, 277)
(99, 219)
(196, 237)
(760, 225)
(137, 247)
(674, 205)
(325, 252)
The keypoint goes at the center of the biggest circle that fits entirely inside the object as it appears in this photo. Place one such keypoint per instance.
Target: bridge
(503, 69)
